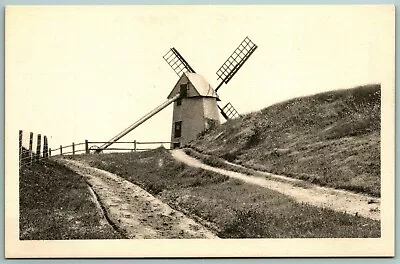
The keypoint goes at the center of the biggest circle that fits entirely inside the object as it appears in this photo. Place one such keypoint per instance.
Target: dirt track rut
(134, 212)
(337, 200)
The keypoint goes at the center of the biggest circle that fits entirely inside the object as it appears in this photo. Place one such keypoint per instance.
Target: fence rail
(90, 146)
(43, 151)
(129, 142)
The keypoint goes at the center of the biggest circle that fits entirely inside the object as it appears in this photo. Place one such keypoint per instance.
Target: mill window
(183, 92)
(184, 89)
(178, 129)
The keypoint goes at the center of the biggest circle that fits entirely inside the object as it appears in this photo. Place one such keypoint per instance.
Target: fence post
(20, 147)
(39, 139)
(30, 147)
(45, 148)
(86, 146)
(60, 149)
(73, 149)
(49, 152)
(134, 145)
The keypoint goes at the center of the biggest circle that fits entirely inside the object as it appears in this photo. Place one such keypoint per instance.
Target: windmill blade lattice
(235, 61)
(229, 112)
(177, 62)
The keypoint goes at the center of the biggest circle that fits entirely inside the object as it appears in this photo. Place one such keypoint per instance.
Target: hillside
(331, 139)
(206, 196)
(56, 203)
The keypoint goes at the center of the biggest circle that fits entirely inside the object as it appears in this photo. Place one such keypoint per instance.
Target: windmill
(225, 73)
(195, 101)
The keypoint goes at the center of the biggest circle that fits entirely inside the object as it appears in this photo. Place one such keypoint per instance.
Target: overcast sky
(76, 73)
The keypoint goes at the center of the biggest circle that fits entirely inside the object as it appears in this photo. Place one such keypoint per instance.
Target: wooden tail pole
(138, 123)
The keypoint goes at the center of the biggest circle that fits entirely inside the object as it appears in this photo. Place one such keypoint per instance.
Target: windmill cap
(201, 86)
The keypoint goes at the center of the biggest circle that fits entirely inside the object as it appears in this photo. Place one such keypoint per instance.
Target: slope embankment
(331, 139)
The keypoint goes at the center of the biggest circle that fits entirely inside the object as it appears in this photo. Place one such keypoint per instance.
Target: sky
(88, 72)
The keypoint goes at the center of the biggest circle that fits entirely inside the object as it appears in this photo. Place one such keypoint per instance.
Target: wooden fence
(27, 155)
(90, 146)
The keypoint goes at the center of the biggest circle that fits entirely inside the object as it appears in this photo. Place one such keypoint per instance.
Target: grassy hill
(331, 139)
(55, 203)
(252, 212)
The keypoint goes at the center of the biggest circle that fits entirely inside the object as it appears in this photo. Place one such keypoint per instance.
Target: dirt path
(134, 212)
(337, 200)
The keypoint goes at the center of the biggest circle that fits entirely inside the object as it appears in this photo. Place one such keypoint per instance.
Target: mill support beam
(138, 123)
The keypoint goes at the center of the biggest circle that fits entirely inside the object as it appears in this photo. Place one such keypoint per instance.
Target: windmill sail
(230, 67)
(229, 112)
(235, 61)
(177, 62)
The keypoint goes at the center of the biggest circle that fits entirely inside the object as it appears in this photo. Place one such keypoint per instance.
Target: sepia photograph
(199, 131)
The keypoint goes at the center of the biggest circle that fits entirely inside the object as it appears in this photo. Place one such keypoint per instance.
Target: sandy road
(134, 212)
(337, 200)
